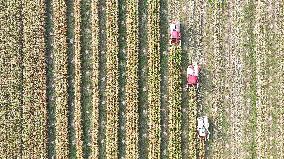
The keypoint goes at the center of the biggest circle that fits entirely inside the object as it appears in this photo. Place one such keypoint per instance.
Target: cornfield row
(77, 80)
(175, 100)
(95, 78)
(111, 91)
(192, 114)
(131, 87)
(153, 82)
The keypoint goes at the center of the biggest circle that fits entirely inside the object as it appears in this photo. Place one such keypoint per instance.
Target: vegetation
(98, 79)
(131, 87)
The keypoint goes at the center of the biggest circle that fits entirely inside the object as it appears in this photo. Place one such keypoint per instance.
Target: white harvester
(203, 127)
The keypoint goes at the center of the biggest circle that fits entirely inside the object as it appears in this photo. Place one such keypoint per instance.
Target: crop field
(98, 79)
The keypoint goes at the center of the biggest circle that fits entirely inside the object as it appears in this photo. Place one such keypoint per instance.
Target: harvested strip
(77, 81)
(260, 81)
(34, 81)
(10, 115)
(154, 79)
(215, 63)
(95, 78)
(131, 88)
(235, 70)
(280, 82)
(111, 91)
(250, 87)
(60, 79)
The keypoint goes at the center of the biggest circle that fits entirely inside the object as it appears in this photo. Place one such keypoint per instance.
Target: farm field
(98, 79)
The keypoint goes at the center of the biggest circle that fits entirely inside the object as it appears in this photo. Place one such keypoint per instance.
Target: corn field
(98, 79)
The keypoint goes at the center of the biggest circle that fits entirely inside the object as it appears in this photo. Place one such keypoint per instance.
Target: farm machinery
(175, 35)
(202, 128)
(203, 134)
(193, 74)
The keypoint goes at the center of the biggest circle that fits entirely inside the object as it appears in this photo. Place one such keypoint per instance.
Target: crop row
(192, 115)
(60, 77)
(77, 81)
(131, 88)
(175, 99)
(10, 117)
(111, 91)
(34, 81)
(95, 78)
(153, 83)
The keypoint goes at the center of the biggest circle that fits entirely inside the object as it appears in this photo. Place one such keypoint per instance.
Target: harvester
(202, 128)
(175, 35)
(193, 75)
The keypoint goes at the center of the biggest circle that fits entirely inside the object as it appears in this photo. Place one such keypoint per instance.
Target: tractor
(175, 35)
